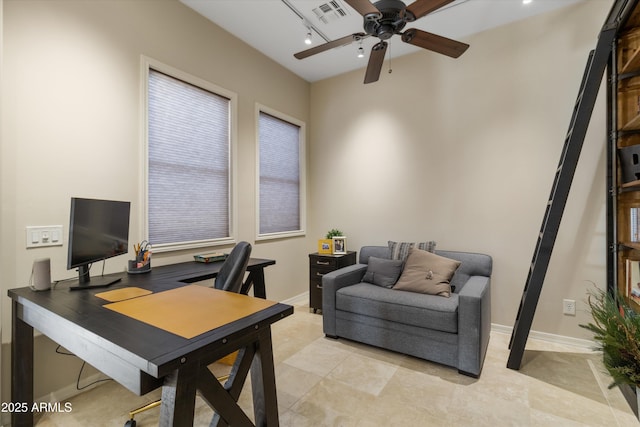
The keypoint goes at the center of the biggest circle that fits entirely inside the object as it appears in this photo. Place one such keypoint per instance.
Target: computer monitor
(98, 229)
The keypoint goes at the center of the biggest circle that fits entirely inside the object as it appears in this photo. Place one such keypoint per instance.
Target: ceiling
(277, 28)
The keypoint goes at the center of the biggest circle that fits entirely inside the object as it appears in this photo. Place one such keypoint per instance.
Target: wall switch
(41, 236)
(569, 307)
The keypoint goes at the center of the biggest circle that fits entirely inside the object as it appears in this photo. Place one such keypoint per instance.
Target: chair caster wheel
(130, 423)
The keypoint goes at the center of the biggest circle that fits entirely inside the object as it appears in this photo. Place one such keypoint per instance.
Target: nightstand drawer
(315, 284)
(319, 271)
(329, 263)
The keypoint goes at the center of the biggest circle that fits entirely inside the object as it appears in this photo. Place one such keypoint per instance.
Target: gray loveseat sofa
(452, 331)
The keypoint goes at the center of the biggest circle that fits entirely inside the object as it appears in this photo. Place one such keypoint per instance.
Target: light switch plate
(45, 235)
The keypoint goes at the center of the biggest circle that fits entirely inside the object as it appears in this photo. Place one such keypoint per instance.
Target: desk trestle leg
(257, 358)
(223, 400)
(179, 397)
(21, 368)
(263, 383)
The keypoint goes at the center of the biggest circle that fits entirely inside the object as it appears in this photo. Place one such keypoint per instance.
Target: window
(188, 185)
(281, 174)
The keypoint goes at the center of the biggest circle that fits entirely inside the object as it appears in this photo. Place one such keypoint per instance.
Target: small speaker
(41, 274)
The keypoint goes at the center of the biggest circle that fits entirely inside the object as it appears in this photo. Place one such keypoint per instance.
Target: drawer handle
(319, 274)
(319, 286)
(322, 262)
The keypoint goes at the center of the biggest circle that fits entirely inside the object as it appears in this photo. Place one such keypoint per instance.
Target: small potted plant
(333, 233)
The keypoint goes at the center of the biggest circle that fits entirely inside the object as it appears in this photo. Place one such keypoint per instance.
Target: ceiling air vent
(330, 11)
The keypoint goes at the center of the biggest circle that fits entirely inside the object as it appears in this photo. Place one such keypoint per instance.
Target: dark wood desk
(142, 357)
(190, 272)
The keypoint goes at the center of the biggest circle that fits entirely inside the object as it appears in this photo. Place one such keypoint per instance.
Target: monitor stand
(87, 282)
(96, 282)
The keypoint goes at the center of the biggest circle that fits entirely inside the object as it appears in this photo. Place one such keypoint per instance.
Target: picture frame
(325, 246)
(339, 245)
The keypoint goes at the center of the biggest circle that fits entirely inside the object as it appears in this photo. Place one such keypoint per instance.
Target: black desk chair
(229, 278)
(231, 273)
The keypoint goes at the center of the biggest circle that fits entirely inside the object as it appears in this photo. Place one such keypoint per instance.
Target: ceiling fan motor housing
(391, 20)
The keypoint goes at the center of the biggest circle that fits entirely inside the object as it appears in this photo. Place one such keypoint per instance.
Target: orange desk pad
(123, 294)
(190, 310)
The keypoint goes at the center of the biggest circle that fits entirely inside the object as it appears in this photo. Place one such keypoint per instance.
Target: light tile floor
(325, 382)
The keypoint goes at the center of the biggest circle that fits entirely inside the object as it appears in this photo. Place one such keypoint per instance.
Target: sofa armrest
(474, 324)
(331, 283)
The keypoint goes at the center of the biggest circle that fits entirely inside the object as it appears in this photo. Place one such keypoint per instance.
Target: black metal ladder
(591, 81)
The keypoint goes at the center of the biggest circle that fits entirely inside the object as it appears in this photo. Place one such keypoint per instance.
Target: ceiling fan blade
(434, 42)
(376, 59)
(365, 8)
(330, 45)
(420, 8)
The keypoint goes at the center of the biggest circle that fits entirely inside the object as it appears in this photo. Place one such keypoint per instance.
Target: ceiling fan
(385, 18)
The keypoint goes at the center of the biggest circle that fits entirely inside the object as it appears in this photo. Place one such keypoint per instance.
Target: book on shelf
(632, 288)
(212, 257)
(634, 216)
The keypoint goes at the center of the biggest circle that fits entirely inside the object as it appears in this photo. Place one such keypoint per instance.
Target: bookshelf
(624, 117)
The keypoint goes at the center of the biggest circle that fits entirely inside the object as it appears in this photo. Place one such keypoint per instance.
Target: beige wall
(71, 127)
(464, 152)
(460, 151)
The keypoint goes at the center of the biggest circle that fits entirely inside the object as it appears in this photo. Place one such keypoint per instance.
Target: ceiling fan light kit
(385, 18)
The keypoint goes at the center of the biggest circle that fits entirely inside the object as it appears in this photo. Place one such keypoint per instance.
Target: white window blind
(188, 162)
(280, 175)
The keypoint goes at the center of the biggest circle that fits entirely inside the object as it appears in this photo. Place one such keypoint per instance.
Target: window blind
(188, 162)
(279, 189)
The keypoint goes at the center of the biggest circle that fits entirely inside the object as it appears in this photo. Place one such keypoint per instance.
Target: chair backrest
(231, 273)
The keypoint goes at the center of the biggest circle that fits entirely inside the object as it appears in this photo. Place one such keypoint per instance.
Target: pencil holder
(135, 267)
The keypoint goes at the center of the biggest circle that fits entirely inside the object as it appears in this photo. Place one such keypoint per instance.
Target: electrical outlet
(569, 307)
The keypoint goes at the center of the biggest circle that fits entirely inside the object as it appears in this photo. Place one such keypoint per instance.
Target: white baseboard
(545, 336)
(302, 299)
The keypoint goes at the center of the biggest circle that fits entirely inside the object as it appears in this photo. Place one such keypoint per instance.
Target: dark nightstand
(321, 264)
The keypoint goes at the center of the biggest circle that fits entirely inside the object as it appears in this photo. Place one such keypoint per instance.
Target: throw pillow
(401, 250)
(427, 273)
(383, 272)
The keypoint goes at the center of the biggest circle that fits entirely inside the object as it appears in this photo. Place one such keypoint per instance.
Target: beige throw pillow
(427, 273)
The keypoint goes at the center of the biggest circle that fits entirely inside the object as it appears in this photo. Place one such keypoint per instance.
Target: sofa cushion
(427, 273)
(473, 264)
(377, 251)
(383, 272)
(400, 250)
(421, 310)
